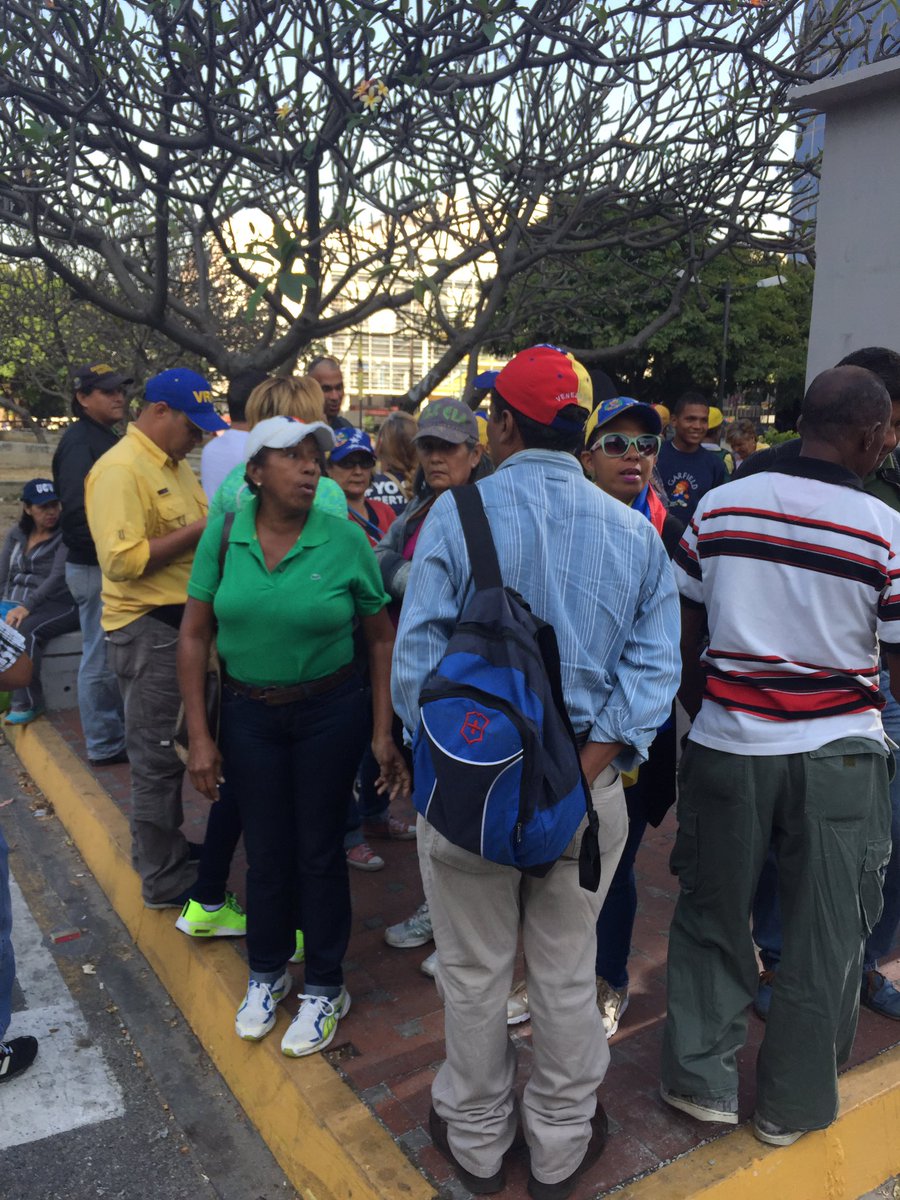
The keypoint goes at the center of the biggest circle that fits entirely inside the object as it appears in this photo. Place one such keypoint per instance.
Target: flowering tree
(247, 177)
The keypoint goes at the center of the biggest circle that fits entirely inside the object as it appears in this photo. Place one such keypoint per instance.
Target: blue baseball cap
(189, 393)
(39, 491)
(350, 441)
(606, 410)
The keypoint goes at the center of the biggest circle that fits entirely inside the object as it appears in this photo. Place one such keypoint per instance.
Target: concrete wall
(856, 297)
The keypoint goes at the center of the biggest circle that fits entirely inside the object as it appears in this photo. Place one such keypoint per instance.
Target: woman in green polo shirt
(293, 715)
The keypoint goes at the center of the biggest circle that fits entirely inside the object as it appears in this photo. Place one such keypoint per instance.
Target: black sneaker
(112, 760)
(16, 1056)
(595, 1147)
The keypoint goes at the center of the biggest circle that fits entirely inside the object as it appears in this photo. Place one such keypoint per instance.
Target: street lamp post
(728, 291)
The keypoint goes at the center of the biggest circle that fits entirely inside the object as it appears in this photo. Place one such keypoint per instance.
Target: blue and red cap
(351, 441)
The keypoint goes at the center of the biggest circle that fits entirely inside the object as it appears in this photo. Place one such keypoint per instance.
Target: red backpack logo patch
(472, 729)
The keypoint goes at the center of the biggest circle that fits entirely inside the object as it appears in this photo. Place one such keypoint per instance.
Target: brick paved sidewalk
(391, 1043)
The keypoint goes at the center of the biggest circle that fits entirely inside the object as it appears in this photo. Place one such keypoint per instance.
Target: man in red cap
(597, 571)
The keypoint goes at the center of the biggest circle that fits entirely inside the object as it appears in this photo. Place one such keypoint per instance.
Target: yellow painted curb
(326, 1140)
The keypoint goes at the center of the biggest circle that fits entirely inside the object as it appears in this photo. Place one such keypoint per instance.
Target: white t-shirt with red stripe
(799, 571)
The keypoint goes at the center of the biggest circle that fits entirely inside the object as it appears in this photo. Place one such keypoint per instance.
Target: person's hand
(394, 776)
(205, 767)
(16, 616)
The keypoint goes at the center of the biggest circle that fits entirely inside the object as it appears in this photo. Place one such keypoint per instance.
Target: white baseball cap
(277, 433)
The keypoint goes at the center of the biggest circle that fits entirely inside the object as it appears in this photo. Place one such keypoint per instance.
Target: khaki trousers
(477, 908)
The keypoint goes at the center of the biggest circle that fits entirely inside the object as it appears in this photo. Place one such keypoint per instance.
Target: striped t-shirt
(799, 572)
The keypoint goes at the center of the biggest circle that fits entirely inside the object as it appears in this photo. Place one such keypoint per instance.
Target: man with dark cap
(146, 511)
(788, 577)
(223, 453)
(597, 571)
(98, 401)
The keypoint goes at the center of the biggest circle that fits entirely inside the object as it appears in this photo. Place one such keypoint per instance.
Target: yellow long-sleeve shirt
(133, 493)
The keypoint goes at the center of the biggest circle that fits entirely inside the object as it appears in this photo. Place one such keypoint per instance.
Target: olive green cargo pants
(827, 813)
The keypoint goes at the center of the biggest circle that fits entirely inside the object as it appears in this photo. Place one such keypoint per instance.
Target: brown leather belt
(294, 691)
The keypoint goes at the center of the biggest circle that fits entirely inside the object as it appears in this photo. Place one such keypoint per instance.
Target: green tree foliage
(245, 179)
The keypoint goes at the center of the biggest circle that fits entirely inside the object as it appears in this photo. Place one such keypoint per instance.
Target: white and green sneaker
(256, 1016)
(228, 920)
(315, 1024)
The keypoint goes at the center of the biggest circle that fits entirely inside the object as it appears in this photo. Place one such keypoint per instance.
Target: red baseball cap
(539, 383)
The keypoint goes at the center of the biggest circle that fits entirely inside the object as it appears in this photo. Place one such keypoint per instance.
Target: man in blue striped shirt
(598, 572)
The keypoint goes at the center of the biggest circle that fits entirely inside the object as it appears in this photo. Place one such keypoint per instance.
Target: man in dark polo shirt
(98, 401)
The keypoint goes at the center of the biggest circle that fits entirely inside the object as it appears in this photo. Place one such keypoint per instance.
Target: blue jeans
(766, 909)
(290, 767)
(7, 958)
(616, 921)
(99, 699)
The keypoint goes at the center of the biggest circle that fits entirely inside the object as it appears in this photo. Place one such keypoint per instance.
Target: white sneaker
(612, 1004)
(315, 1024)
(517, 1009)
(429, 966)
(256, 1016)
(414, 931)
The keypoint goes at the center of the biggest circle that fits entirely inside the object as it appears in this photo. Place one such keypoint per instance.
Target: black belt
(294, 691)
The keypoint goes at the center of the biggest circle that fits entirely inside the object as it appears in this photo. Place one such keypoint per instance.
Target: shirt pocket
(169, 514)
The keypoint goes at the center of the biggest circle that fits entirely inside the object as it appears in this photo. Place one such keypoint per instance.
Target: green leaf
(253, 303)
(292, 285)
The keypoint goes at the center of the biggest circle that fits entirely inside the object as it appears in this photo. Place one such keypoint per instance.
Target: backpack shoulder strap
(223, 543)
(479, 539)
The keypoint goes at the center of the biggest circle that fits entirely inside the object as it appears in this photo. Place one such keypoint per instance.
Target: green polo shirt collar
(315, 531)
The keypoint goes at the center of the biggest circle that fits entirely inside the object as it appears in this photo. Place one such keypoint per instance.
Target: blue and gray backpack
(497, 769)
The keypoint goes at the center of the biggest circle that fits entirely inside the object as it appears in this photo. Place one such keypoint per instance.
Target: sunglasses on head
(617, 445)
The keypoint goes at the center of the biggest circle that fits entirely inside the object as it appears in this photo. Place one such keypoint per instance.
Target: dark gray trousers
(142, 654)
(827, 813)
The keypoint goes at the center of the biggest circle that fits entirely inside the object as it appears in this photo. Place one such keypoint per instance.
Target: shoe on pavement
(228, 920)
(723, 1109)
(429, 966)
(612, 1003)
(256, 1016)
(775, 1135)
(364, 858)
(479, 1185)
(517, 1009)
(595, 1147)
(880, 994)
(23, 716)
(111, 760)
(762, 1001)
(16, 1056)
(414, 931)
(178, 901)
(389, 829)
(315, 1024)
(299, 952)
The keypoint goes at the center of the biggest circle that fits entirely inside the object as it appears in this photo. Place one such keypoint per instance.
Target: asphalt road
(122, 1102)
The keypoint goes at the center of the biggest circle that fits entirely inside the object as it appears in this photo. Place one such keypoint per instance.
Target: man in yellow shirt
(146, 512)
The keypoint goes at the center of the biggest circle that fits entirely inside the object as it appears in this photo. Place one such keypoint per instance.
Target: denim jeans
(7, 958)
(291, 767)
(767, 911)
(48, 621)
(99, 699)
(616, 921)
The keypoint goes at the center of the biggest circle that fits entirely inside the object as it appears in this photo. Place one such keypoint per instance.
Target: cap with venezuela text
(351, 441)
(187, 392)
(539, 383)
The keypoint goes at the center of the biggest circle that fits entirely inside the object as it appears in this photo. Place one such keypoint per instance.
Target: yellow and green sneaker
(299, 954)
(229, 920)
